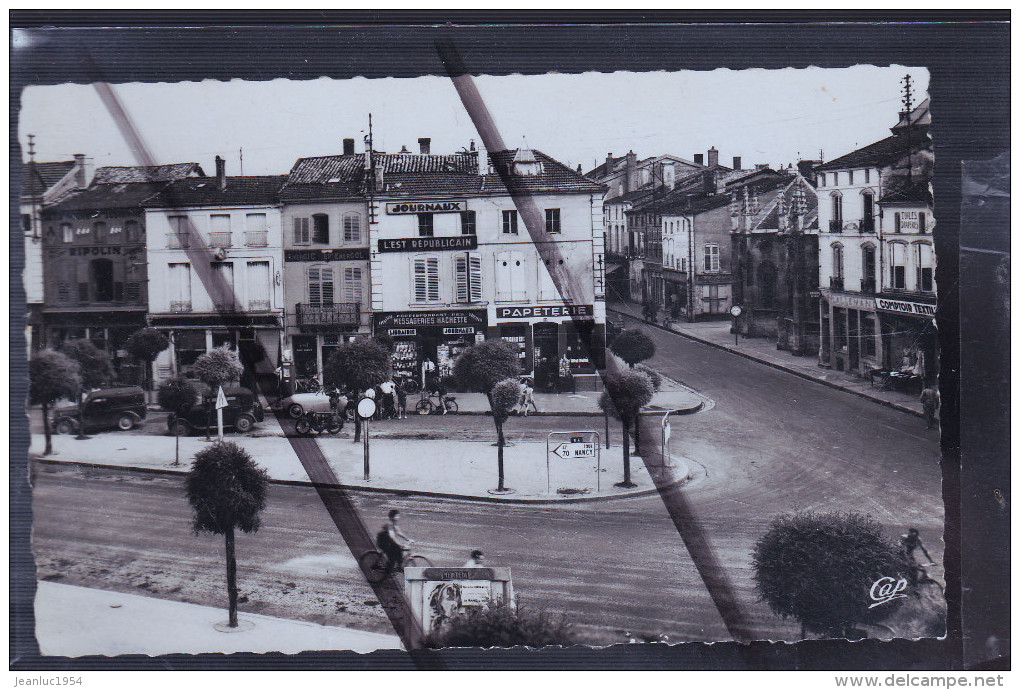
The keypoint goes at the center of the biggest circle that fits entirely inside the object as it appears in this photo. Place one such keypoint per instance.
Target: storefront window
(868, 334)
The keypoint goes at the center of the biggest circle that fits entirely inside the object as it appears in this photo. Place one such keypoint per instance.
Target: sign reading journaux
(446, 206)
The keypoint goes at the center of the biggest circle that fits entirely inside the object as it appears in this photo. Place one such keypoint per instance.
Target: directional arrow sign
(575, 450)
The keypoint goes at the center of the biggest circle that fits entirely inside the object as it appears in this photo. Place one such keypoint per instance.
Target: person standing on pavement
(401, 393)
(930, 403)
(527, 398)
(477, 559)
(388, 399)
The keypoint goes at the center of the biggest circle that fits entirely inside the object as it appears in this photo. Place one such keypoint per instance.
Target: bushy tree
(95, 365)
(626, 393)
(654, 376)
(484, 368)
(144, 345)
(52, 376)
(357, 366)
(502, 625)
(818, 568)
(633, 346)
(176, 395)
(227, 491)
(216, 368)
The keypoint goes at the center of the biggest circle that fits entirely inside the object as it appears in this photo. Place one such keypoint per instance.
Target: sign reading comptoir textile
(913, 308)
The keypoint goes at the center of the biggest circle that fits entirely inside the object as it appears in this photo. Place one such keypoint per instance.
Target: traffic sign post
(573, 445)
(735, 312)
(221, 402)
(667, 432)
(365, 410)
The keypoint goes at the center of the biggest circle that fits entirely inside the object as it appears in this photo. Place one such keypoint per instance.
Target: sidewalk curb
(545, 502)
(780, 367)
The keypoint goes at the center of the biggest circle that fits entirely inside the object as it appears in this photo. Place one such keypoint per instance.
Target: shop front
(436, 336)
(850, 339)
(544, 334)
(910, 337)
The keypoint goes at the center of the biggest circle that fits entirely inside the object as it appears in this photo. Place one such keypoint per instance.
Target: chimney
(425, 144)
(609, 163)
(699, 159)
(630, 182)
(736, 163)
(713, 157)
(221, 173)
(80, 173)
(579, 172)
(669, 175)
(472, 147)
(760, 166)
(348, 147)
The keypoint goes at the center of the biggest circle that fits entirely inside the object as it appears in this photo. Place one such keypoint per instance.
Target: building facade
(876, 258)
(215, 259)
(454, 261)
(775, 249)
(326, 258)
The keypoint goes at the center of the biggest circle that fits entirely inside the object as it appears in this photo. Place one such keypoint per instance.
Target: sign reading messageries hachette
(395, 208)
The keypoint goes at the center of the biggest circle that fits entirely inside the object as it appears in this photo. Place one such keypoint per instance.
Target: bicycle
(427, 406)
(307, 384)
(409, 384)
(373, 563)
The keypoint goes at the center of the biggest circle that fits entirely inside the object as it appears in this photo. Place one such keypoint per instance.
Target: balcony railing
(868, 285)
(836, 282)
(343, 314)
(836, 225)
(256, 238)
(180, 307)
(178, 240)
(258, 305)
(220, 240)
(868, 224)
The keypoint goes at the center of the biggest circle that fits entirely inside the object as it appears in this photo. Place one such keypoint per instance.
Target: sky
(765, 116)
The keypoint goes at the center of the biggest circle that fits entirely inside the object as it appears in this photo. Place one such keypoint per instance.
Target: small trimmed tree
(633, 346)
(502, 624)
(818, 568)
(176, 395)
(654, 376)
(216, 368)
(357, 366)
(144, 345)
(52, 376)
(95, 367)
(626, 393)
(483, 368)
(227, 492)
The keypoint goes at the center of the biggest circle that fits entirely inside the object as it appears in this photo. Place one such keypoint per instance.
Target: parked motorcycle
(319, 422)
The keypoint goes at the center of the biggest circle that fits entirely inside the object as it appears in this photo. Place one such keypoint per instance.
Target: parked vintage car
(300, 403)
(107, 408)
(242, 413)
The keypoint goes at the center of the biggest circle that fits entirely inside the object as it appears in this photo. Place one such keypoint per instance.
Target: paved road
(771, 443)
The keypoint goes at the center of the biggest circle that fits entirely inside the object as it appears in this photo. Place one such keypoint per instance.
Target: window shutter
(433, 278)
(420, 280)
(314, 287)
(518, 277)
(547, 287)
(258, 282)
(327, 286)
(352, 285)
(461, 271)
(475, 275)
(503, 277)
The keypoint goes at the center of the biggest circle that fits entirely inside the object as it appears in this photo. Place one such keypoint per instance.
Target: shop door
(853, 341)
(304, 356)
(546, 354)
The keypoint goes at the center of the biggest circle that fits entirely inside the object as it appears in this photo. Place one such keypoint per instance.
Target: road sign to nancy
(575, 450)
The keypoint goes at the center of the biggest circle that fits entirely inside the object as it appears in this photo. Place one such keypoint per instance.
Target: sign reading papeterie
(395, 208)
(417, 244)
(544, 311)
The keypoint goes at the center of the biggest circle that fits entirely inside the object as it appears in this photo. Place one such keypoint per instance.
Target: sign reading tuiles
(401, 207)
(416, 244)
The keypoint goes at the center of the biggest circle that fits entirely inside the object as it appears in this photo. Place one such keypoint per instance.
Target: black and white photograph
(571, 359)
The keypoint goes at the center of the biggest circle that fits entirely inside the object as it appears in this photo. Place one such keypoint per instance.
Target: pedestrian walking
(477, 559)
(527, 398)
(930, 403)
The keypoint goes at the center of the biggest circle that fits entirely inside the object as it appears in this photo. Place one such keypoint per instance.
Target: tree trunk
(626, 456)
(177, 440)
(499, 451)
(46, 429)
(637, 433)
(208, 418)
(231, 576)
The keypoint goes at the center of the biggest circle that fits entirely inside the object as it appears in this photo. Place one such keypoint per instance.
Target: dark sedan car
(242, 412)
(107, 408)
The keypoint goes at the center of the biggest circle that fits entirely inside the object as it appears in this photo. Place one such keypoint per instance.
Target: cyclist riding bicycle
(392, 542)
